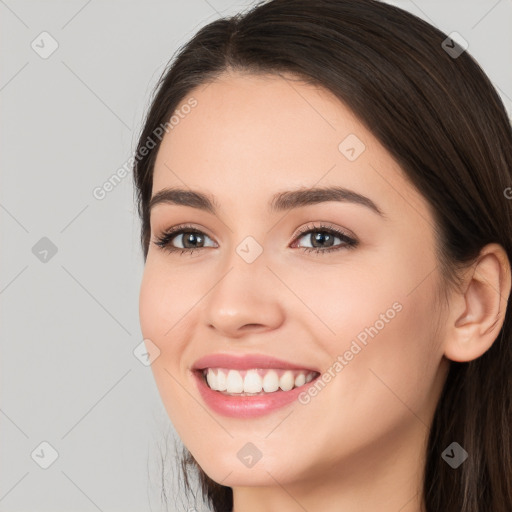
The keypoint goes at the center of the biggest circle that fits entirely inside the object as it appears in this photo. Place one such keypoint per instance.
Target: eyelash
(164, 240)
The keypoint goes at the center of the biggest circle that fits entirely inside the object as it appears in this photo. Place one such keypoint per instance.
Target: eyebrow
(282, 201)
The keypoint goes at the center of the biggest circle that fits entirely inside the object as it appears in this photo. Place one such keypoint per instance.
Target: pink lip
(246, 406)
(246, 362)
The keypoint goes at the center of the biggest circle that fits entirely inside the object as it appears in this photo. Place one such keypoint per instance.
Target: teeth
(271, 381)
(255, 381)
(222, 383)
(300, 380)
(287, 381)
(211, 378)
(234, 382)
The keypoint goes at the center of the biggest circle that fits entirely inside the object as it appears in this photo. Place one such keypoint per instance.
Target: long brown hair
(442, 120)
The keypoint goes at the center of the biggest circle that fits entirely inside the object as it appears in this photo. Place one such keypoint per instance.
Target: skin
(359, 443)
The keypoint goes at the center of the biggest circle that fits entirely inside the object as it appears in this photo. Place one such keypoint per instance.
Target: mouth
(250, 385)
(255, 381)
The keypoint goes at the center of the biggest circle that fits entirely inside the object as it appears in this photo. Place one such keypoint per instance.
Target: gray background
(69, 325)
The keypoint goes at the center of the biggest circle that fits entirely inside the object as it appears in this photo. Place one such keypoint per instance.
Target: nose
(246, 298)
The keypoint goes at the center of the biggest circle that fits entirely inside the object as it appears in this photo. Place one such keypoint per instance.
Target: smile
(255, 381)
(244, 405)
(250, 385)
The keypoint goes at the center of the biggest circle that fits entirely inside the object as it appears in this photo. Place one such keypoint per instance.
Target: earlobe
(479, 311)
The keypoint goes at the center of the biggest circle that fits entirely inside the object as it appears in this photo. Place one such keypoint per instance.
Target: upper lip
(246, 362)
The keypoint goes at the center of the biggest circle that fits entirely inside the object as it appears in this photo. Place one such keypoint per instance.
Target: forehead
(260, 121)
(258, 134)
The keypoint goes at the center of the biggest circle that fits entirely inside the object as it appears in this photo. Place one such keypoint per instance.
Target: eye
(192, 239)
(323, 241)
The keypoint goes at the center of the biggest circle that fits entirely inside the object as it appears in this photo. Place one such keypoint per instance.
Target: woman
(326, 231)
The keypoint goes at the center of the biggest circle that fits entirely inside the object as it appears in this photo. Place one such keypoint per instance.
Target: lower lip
(247, 406)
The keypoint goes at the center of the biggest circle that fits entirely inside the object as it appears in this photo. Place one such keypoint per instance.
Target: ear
(478, 312)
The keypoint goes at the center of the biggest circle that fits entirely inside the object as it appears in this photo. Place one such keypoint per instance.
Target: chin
(227, 469)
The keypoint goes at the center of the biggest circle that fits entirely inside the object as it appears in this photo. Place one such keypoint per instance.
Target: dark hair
(441, 119)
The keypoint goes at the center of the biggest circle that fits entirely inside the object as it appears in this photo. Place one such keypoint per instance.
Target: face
(325, 283)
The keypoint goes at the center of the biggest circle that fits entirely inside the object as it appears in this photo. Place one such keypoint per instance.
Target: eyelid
(347, 238)
(185, 227)
(172, 232)
(301, 231)
(323, 226)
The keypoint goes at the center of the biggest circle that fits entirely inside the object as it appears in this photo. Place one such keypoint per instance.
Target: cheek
(169, 301)
(379, 324)
(389, 352)
(163, 304)
(385, 378)
(386, 304)
(338, 303)
(152, 304)
(165, 298)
